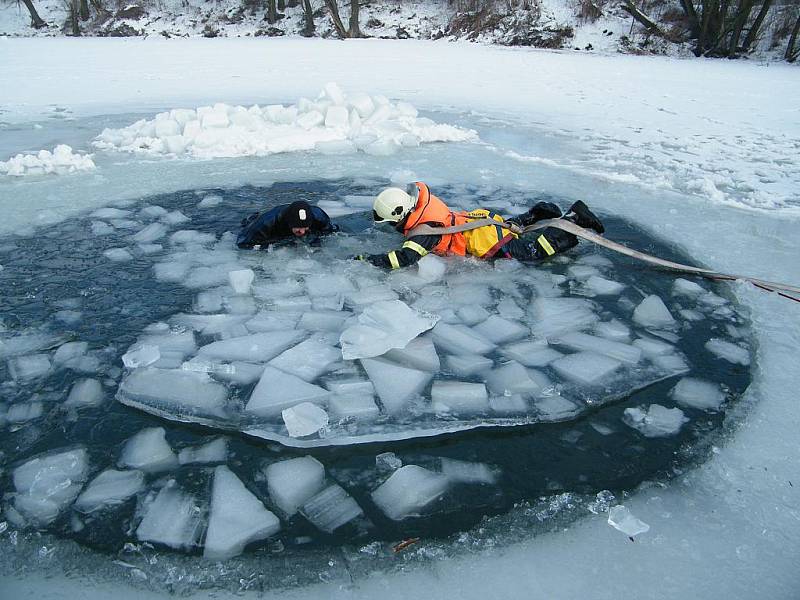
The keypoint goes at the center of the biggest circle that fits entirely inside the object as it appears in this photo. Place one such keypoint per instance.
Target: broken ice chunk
(472, 314)
(69, 351)
(241, 280)
(583, 341)
(460, 471)
(601, 286)
(587, 368)
(508, 405)
(292, 483)
(277, 390)
(531, 354)
(174, 518)
(181, 391)
(459, 339)
(118, 254)
(512, 378)
(459, 397)
(360, 408)
(382, 326)
(85, 392)
(108, 488)
(698, 394)
(149, 451)
(28, 367)
(395, 384)
(409, 491)
(420, 353)
(387, 461)
(652, 348)
(555, 408)
(304, 419)
(331, 508)
(465, 365)
(500, 330)
(431, 267)
(620, 518)
(684, 287)
(141, 355)
(308, 360)
(215, 451)
(258, 347)
(729, 351)
(237, 517)
(613, 330)
(656, 421)
(652, 312)
(48, 484)
(555, 315)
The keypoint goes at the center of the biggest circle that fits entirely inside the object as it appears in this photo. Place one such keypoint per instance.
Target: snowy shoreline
(723, 531)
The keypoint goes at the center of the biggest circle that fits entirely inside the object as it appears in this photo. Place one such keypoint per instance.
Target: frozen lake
(705, 488)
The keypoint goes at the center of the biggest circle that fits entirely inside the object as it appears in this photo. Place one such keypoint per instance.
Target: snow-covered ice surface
(634, 136)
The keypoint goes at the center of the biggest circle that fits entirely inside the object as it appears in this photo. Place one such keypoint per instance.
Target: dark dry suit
(484, 242)
(262, 229)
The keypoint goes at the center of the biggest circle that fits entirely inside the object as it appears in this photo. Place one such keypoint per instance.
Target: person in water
(287, 222)
(407, 209)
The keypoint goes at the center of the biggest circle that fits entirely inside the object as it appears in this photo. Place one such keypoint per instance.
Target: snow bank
(60, 161)
(334, 123)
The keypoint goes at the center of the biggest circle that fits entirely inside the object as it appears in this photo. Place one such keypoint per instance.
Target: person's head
(298, 218)
(392, 205)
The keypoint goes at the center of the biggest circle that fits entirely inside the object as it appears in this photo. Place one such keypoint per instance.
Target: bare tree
(308, 15)
(84, 10)
(717, 25)
(355, 30)
(756, 27)
(36, 20)
(281, 5)
(792, 53)
(629, 7)
(272, 12)
(333, 9)
(74, 11)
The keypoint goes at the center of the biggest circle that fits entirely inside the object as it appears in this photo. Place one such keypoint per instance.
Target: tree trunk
(292, 3)
(691, 14)
(742, 16)
(756, 27)
(355, 30)
(333, 9)
(629, 7)
(791, 54)
(308, 14)
(84, 10)
(36, 20)
(281, 5)
(74, 10)
(272, 12)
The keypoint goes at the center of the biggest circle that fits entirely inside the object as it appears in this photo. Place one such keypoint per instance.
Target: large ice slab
(382, 326)
(237, 517)
(175, 391)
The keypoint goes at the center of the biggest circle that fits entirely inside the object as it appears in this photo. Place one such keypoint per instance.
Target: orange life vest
(432, 211)
(480, 242)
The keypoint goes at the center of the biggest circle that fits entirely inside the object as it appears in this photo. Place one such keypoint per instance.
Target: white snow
(60, 161)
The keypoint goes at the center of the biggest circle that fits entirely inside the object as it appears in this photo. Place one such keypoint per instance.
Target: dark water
(63, 269)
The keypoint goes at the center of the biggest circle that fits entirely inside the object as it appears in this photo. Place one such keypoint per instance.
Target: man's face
(299, 231)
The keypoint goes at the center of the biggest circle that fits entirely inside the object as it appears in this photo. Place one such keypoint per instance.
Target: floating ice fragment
(23, 412)
(499, 330)
(85, 392)
(382, 326)
(215, 451)
(108, 488)
(395, 384)
(32, 366)
(459, 339)
(388, 461)
(408, 491)
(331, 508)
(141, 355)
(684, 287)
(652, 312)
(698, 394)
(729, 351)
(431, 267)
(277, 390)
(308, 360)
(46, 485)
(149, 451)
(292, 483)
(118, 254)
(69, 351)
(459, 397)
(603, 287)
(419, 353)
(656, 421)
(460, 471)
(587, 368)
(241, 280)
(357, 407)
(304, 419)
(174, 518)
(620, 518)
(237, 517)
(465, 365)
(258, 347)
(616, 350)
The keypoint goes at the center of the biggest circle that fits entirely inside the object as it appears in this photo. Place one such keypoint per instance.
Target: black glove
(358, 257)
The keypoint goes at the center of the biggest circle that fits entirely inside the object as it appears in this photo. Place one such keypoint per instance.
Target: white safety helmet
(392, 205)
